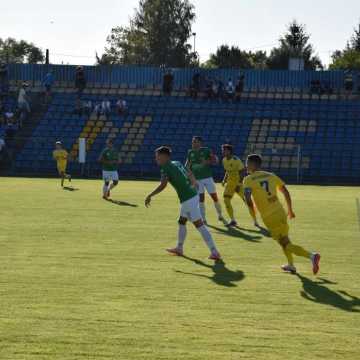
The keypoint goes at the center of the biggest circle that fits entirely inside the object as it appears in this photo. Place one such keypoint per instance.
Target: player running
(109, 159)
(185, 184)
(235, 173)
(199, 161)
(262, 186)
(61, 157)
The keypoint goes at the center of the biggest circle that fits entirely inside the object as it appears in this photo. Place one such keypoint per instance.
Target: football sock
(229, 207)
(298, 250)
(202, 210)
(105, 189)
(181, 236)
(288, 255)
(205, 233)
(218, 208)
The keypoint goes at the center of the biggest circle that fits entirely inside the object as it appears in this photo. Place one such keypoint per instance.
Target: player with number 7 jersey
(262, 187)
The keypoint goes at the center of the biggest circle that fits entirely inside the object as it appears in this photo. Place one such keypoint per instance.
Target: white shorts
(207, 184)
(190, 209)
(110, 175)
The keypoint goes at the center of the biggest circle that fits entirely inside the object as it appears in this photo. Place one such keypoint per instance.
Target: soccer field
(83, 278)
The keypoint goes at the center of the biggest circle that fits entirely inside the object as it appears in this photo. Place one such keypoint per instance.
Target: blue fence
(143, 76)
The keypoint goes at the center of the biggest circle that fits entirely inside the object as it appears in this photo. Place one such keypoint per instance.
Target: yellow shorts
(61, 167)
(277, 224)
(233, 187)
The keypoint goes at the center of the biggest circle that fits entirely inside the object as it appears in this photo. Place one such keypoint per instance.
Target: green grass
(81, 278)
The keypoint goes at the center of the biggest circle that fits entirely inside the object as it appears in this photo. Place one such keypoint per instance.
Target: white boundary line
(358, 210)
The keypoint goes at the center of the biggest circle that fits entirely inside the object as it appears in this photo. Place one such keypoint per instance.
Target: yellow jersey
(232, 167)
(263, 187)
(60, 156)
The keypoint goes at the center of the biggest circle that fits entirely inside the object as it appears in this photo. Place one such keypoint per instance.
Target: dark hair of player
(228, 147)
(164, 150)
(255, 159)
(198, 138)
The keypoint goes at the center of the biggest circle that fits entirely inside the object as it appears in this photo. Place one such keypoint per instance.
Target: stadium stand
(304, 137)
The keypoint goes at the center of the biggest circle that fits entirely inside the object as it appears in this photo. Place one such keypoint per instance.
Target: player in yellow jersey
(234, 174)
(262, 187)
(61, 157)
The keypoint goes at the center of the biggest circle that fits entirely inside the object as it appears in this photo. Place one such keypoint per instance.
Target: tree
(349, 58)
(294, 44)
(234, 57)
(14, 51)
(158, 34)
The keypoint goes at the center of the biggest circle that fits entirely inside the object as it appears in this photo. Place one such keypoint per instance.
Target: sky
(75, 30)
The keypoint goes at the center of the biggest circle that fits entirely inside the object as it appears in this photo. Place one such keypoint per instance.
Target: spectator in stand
(24, 103)
(349, 82)
(106, 108)
(4, 83)
(230, 91)
(168, 83)
(97, 110)
(87, 107)
(121, 107)
(80, 80)
(48, 82)
(239, 87)
(209, 89)
(220, 89)
(315, 87)
(215, 89)
(195, 86)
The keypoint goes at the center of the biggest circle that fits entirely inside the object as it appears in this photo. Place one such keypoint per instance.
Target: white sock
(181, 236)
(202, 211)
(205, 233)
(105, 189)
(218, 208)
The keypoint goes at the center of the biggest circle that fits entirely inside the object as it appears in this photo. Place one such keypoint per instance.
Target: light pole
(194, 35)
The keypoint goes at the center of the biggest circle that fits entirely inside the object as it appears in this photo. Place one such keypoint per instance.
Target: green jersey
(176, 173)
(196, 158)
(109, 155)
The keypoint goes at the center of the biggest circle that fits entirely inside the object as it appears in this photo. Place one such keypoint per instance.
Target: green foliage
(82, 278)
(158, 34)
(349, 58)
(234, 57)
(294, 44)
(19, 51)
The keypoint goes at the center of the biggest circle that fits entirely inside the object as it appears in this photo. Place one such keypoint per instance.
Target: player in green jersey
(109, 159)
(199, 161)
(185, 185)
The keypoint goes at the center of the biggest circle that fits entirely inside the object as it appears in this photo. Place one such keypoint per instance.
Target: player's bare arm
(242, 174)
(287, 197)
(193, 180)
(158, 190)
(248, 199)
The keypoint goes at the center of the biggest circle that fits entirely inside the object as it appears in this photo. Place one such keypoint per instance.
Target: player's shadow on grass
(317, 292)
(260, 230)
(121, 203)
(236, 232)
(221, 274)
(70, 188)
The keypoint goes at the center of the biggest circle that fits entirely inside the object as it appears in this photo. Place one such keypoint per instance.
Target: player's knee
(284, 242)
(214, 197)
(198, 223)
(107, 183)
(202, 197)
(182, 221)
(115, 182)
